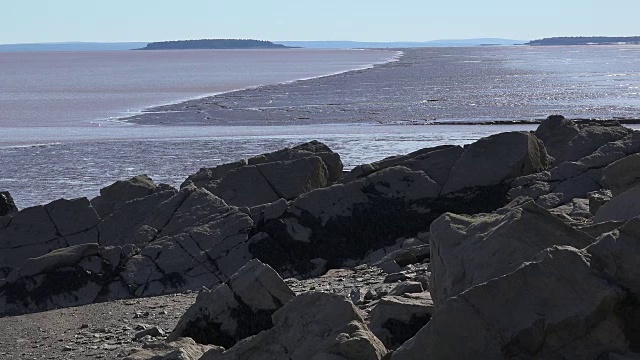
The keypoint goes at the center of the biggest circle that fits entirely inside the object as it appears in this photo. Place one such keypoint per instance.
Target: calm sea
(60, 133)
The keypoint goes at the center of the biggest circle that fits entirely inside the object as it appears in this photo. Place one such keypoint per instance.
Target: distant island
(587, 40)
(213, 44)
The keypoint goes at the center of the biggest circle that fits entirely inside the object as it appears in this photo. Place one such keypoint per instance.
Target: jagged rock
(7, 206)
(237, 309)
(396, 319)
(620, 208)
(470, 250)
(344, 222)
(37, 230)
(555, 306)
(617, 255)
(137, 221)
(181, 349)
(566, 140)
(153, 331)
(65, 277)
(436, 162)
(120, 192)
(330, 159)
(622, 175)
(265, 212)
(488, 162)
(206, 177)
(311, 326)
(597, 199)
(406, 287)
(576, 210)
(569, 180)
(203, 244)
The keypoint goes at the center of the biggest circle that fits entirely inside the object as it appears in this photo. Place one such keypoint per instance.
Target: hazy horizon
(404, 21)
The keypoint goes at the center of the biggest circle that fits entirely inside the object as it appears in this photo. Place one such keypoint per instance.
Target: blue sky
(25, 21)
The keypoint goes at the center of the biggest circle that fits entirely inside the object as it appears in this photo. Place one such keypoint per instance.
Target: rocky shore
(520, 245)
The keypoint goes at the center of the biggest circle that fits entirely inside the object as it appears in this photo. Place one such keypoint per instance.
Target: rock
(486, 162)
(73, 217)
(152, 331)
(395, 277)
(470, 250)
(120, 192)
(265, 212)
(311, 326)
(617, 255)
(597, 199)
(576, 210)
(203, 244)
(244, 186)
(7, 206)
(436, 162)
(344, 222)
(237, 309)
(622, 175)
(396, 319)
(406, 287)
(330, 159)
(569, 180)
(35, 231)
(181, 349)
(206, 177)
(566, 140)
(555, 306)
(65, 277)
(623, 207)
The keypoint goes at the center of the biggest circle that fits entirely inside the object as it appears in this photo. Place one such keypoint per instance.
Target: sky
(34, 21)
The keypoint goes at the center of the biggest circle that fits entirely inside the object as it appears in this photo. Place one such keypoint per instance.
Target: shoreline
(398, 54)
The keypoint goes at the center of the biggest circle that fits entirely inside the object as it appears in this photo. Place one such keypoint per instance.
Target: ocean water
(63, 134)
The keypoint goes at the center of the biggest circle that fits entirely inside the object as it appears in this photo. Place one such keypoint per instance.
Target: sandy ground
(96, 331)
(107, 330)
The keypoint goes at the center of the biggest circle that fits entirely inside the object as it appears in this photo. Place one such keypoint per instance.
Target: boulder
(120, 192)
(311, 326)
(494, 159)
(436, 162)
(180, 349)
(7, 206)
(330, 159)
(597, 199)
(574, 179)
(239, 308)
(623, 207)
(556, 306)
(470, 250)
(622, 175)
(346, 221)
(206, 177)
(71, 276)
(203, 243)
(35, 231)
(617, 254)
(396, 319)
(566, 140)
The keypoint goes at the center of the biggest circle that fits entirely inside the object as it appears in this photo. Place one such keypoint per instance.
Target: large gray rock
(494, 159)
(7, 206)
(120, 192)
(180, 349)
(239, 308)
(71, 276)
(436, 162)
(617, 254)
(330, 159)
(203, 243)
(574, 179)
(555, 306)
(37, 230)
(396, 319)
(346, 221)
(566, 140)
(623, 207)
(470, 250)
(312, 326)
(622, 175)
(206, 177)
